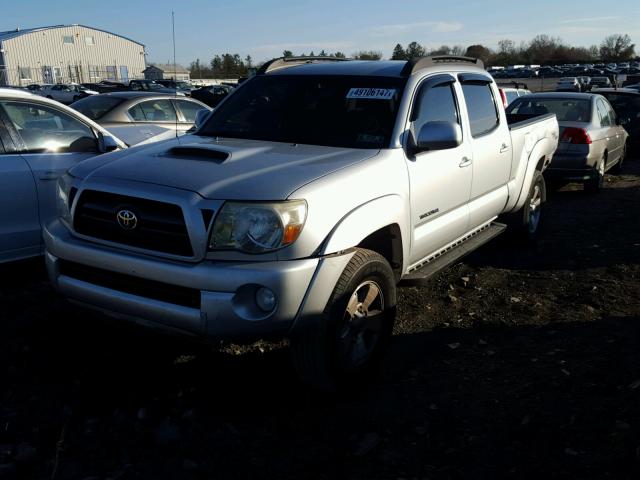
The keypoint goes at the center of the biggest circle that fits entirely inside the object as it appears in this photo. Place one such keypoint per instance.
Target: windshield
(96, 106)
(566, 110)
(336, 111)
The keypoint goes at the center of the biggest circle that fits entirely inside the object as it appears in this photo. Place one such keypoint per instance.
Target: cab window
(433, 104)
(481, 107)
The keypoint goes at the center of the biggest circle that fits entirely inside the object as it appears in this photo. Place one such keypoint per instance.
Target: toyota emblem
(127, 219)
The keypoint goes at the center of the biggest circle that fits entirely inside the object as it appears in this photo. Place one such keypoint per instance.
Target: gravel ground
(521, 362)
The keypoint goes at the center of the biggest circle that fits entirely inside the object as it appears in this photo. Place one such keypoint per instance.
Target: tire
(344, 346)
(596, 183)
(525, 224)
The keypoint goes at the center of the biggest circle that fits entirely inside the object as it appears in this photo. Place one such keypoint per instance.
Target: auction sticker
(372, 93)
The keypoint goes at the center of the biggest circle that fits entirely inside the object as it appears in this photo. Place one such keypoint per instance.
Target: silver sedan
(592, 141)
(136, 117)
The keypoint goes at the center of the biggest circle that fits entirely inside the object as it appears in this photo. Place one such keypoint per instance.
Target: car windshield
(96, 106)
(566, 109)
(336, 111)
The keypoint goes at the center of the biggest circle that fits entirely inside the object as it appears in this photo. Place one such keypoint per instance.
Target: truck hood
(224, 169)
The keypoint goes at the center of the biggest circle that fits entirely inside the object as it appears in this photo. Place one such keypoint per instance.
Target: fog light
(265, 299)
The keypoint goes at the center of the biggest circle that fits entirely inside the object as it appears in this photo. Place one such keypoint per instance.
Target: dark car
(137, 116)
(105, 86)
(211, 95)
(626, 104)
(184, 87)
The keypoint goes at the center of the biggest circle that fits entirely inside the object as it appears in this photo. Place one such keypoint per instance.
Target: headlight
(62, 196)
(258, 227)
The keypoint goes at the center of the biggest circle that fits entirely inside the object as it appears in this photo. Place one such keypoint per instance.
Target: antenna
(175, 73)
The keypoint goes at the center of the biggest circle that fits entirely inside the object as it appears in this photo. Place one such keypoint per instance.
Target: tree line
(541, 50)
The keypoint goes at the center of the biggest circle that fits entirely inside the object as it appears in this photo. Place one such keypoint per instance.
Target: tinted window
(566, 110)
(157, 111)
(340, 111)
(189, 110)
(96, 106)
(44, 129)
(481, 108)
(435, 104)
(626, 106)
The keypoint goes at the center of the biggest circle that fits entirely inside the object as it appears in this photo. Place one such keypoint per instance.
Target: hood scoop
(199, 152)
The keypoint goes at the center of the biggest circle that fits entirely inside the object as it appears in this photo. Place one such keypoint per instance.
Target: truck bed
(521, 120)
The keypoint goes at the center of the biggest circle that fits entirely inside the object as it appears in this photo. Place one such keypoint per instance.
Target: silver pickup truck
(300, 203)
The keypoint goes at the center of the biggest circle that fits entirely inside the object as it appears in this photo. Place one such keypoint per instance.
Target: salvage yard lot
(520, 362)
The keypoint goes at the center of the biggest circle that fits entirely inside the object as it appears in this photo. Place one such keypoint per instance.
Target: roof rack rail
(418, 63)
(284, 62)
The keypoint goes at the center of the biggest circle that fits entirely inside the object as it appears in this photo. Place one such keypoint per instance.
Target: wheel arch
(380, 225)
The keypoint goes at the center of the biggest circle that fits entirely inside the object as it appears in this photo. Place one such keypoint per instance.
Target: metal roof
(18, 32)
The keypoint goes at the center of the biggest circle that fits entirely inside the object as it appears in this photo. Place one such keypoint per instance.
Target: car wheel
(345, 344)
(595, 184)
(525, 224)
(617, 168)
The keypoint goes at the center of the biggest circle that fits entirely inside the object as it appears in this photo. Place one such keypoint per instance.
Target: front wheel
(346, 343)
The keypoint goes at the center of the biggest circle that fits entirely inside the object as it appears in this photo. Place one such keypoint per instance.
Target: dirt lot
(519, 363)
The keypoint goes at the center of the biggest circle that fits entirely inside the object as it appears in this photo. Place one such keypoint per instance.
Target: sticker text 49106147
(372, 93)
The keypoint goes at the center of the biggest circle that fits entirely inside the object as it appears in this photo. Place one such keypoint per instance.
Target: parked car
(105, 86)
(260, 224)
(626, 104)
(66, 93)
(568, 84)
(633, 87)
(39, 140)
(600, 82)
(184, 87)
(137, 116)
(212, 95)
(592, 141)
(509, 91)
(152, 86)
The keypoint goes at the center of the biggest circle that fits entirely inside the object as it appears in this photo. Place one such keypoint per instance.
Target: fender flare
(365, 219)
(537, 153)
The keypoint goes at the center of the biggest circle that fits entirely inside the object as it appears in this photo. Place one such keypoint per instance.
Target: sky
(264, 29)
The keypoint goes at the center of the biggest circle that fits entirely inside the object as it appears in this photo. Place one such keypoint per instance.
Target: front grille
(160, 226)
(187, 297)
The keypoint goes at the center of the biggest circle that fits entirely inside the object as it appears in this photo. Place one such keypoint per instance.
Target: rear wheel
(525, 224)
(596, 182)
(345, 345)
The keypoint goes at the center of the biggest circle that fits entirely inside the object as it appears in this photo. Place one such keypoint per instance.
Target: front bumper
(226, 308)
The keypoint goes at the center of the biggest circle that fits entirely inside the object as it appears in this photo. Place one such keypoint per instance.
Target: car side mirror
(107, 143)
(201, 117)
(438, 135)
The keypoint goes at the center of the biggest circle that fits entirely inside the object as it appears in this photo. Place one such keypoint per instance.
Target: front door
(440, 180)
(51, 142)
(19, 222)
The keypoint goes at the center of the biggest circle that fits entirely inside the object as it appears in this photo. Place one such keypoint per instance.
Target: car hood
(225, 169)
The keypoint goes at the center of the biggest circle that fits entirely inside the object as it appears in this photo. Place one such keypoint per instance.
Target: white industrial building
(68, 53)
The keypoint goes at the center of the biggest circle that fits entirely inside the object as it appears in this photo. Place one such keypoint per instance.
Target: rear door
(491, 143)
(608, 134)
(616, 135)
(19, 220)
(440, 179)
(50, 141)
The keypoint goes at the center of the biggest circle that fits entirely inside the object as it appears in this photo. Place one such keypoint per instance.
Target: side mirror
(201, 117)
(107, 143)
(438, 136)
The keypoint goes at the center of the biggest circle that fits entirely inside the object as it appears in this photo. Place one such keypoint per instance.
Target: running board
(448, 257)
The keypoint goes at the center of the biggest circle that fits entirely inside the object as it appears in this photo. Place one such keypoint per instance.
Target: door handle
(465, 162)
(49, 175)
(504, 148)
